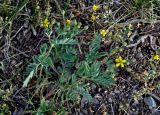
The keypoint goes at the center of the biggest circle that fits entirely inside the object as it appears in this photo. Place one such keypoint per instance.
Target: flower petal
(118, 64)
(124, 61)
(117, 60)
(120, 58)
(121, 64)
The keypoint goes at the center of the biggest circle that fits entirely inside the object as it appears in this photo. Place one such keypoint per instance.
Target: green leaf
(90, 70)
(61, 111)
(95, 69)
(45, 61)
(95, 44)
(30, 71)
(17, 10)
(93, 73)
(103, 79)
(43, 48)
(92, 56)
(83, 69)
(94, 47)
(82, 90)
(48, 62)
(66, 41)
(25, 83)
(43, 107)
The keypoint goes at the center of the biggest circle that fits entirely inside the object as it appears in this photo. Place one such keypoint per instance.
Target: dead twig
(23, 53)
(112, 109)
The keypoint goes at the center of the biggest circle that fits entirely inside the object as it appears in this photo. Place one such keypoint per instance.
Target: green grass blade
(16, 11)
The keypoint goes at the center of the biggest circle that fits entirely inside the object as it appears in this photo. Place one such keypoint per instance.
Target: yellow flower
(68, 22)
(45, 23)
(93, 17)
(104, 32)
(120, 62)
(156, 57)
(95, 8)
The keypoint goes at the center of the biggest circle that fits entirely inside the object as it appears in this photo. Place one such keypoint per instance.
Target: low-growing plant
(43, 107)
(59, 59)
(139, 3)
